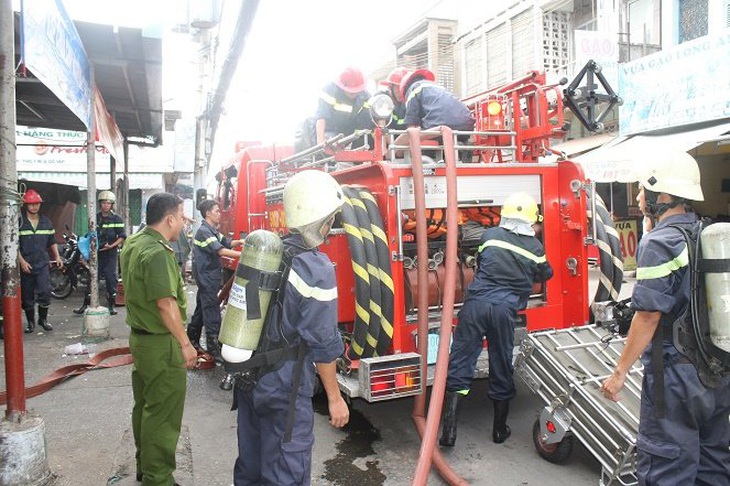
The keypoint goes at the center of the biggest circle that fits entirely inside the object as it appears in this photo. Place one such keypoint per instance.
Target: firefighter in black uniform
(343, 106)
(36, 239)
(687, 442)
(209, 245)
(275, 436)
(510, 259)
(111, 234)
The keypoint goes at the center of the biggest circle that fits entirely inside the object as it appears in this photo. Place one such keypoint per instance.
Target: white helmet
(675, 173)
(107, 196)
(311, 197)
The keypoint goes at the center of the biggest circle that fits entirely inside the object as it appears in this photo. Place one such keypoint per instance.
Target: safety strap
(657, 363)
(714, 265)
(298, 369)
(257, 280)
(264, 359)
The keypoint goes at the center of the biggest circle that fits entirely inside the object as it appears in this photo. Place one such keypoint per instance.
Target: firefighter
(209, 245)
(510, 260)
(36, 239)
(428, 105)
(275, 434)
(687, 441)
(343, 106)
(390, 86)
(110, 235)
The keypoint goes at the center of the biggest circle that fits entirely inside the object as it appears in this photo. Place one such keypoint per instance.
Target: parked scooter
(75, 271)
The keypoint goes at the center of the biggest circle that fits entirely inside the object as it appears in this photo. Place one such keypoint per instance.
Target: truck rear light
(388, 377)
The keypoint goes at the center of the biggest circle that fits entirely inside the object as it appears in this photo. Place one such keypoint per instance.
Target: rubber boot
(43, 318)
(213, 347)
(111, 299)
(449, 419)
(194, 332)
(500, 429)
(30, 317)
(85, 305)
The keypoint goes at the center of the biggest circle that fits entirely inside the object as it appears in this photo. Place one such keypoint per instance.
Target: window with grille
(474, 66)
(497, 55)
(523, 43)
(556, 40)
(644, 21)
(693, 19)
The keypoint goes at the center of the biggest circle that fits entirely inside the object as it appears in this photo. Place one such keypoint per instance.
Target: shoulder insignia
(167, 247)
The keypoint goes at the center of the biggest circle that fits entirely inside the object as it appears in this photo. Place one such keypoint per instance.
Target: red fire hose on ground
(428, 427)
(115, 356)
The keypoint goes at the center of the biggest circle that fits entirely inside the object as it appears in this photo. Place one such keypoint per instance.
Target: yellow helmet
(673, 172)
(522, 206)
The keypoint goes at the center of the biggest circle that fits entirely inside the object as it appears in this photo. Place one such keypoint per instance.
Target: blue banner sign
(53, 52)
(686, 84)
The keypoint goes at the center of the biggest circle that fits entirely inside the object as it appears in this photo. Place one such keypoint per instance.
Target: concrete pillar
(23, 458)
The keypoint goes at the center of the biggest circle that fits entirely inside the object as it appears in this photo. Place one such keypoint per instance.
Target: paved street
(89, 443)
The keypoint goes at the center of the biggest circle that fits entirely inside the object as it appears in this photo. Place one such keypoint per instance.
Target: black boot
(111, 299)
(87, 302)
(43, 318)
(194, 332)
(30, 317)
(213, 347)
(449, 419)
(2, 334)
(500, 429)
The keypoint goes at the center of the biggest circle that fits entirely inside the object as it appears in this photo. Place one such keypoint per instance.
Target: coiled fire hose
(611, 264)
(428, 427)
(362, 344)
(379, 264)
(371, 261)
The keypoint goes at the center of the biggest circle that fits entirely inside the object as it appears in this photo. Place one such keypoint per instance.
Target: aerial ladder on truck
(404, 245)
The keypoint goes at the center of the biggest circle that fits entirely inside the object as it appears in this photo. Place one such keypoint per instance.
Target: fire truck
(404, 246)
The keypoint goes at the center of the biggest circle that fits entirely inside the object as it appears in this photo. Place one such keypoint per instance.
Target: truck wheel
(556, 453)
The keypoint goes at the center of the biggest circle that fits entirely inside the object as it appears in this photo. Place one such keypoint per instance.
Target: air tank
(715, 242)
(240, 333)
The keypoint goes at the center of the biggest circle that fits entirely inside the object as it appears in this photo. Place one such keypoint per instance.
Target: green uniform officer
(156, 305)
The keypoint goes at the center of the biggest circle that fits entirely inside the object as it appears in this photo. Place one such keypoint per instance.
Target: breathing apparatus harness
(690, 330)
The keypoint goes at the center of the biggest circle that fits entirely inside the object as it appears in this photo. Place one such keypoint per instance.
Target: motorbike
(75, 271)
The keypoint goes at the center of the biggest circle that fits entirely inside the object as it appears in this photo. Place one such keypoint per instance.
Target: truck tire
(556, 453)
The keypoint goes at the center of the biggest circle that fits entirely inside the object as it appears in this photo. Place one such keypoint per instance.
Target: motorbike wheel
(60, 284)
(83, 276)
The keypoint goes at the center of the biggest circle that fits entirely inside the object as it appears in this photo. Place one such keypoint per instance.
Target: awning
(618, 161)
(78, 179)
(581, 145)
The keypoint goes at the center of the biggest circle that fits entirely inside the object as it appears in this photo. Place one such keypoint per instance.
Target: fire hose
(373, 231)
(362, 343)
(610, 256)
(121, 357)
(428, 426)
(362, 220)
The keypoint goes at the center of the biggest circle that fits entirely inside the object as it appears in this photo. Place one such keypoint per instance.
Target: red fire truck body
(505, 153)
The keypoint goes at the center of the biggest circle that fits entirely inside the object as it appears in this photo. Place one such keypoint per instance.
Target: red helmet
(351, 81)
(411, 78)
(31, 196)
(395, 77)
